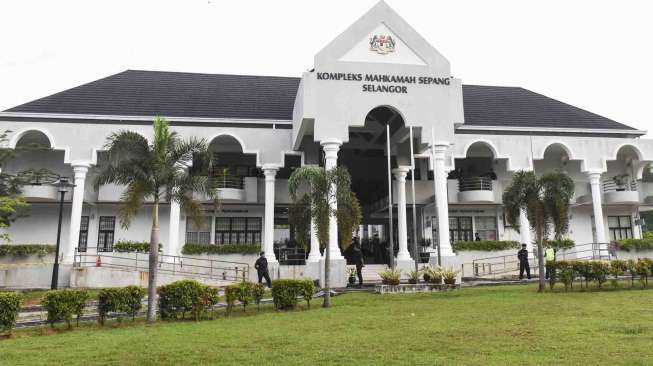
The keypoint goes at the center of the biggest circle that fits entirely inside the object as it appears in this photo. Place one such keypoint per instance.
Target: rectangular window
(237, 230)
(82, 244)
(198, 232)
(106, 233)
(460, 228)
(620, 227)
(486, 227)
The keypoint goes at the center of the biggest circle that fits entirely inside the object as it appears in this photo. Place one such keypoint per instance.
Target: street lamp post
(63, 184)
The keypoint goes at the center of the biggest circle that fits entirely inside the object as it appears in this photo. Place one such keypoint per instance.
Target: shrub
(9, 306)
(600, 270)
(120, 300)
(485, 245)
(190, 249)
(286, 292)
(391, 276)
(567, 277)
(551, 268)
(560, 244)
(449, 276)
(124, 246)
(245, 292)
(634, 244)
(61, 305)
(22, 250)
(617, 268)
(632, 269)
(643, 269)
(186, 296)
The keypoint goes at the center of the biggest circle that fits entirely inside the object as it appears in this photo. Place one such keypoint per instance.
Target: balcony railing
(612, 186)
(229, 181)
(474, 184)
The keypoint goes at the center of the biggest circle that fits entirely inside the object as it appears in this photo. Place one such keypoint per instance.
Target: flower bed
(190, 249)
(485, 245)
(23, 250)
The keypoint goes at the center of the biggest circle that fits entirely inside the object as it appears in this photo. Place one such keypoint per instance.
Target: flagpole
(435, 193)
(412, 181)
(392, 246)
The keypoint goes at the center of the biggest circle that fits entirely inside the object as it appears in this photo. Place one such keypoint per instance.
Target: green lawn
(506, 325)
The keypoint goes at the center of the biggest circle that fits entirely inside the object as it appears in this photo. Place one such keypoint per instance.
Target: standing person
(357, 257)
(549, 256)
(522, 255)
(477, 238)
(261, 266)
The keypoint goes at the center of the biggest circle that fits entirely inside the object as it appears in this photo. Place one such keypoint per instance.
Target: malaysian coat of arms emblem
(382, 44)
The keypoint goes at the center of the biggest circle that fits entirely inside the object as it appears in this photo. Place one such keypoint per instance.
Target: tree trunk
(327, 279)
(540, 263)
(154, 254)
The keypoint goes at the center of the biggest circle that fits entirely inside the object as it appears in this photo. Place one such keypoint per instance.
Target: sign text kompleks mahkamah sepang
(384, 83)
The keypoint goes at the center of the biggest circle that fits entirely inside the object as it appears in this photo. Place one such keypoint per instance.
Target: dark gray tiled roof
(177, 94)
(518, 107)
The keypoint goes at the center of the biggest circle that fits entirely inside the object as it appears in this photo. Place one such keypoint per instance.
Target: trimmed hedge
(190, 249)
(186, 296)
(9, 306)
(128, 246)
(485, 245)
(599, 271)
(61, 305)
(285, 293)
(560, 244)
(120, 300)
(245, 292)
(23, 250)
(634, 244)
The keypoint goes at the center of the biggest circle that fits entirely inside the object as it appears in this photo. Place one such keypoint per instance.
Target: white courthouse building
(378, 78)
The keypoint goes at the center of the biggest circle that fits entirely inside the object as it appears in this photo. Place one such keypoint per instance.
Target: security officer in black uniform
(522, 255)
(261, 266)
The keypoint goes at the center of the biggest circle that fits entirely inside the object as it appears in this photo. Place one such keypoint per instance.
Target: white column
(331, 148)
(595, 185)
(80, 170)
(270, 172)
(314, 255)
(525, 231)
(442, 204)
(402, 228)
(173, 247)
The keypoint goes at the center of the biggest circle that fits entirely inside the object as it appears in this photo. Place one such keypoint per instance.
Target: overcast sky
(594, 54)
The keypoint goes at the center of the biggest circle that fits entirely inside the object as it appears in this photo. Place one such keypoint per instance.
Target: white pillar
(331, 148)
(173, 247)
(270, 172)
(441, 199)
(402, 228)
(595, 185)
(525, 231)
(314, 255)
(80, 170)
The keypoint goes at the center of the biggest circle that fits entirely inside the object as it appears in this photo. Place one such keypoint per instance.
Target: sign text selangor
(384, 83)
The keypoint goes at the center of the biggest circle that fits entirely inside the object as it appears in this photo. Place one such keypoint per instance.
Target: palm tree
(546, 203)
(154, 171)
(315, 190)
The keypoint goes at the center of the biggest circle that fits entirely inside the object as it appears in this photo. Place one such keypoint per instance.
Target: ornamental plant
(186, 296)
(9, 307)
(449, 276)
(413, 276)
(485, 245)
(245, 292)
(194, 249)
(643, 269)
(62, 305)
(617, 268)
(23, 250)
(157, 170)
(600, 270)
(123, 300)
(391, 276)
(285, 292)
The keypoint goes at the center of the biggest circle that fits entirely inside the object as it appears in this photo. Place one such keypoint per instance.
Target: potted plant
(391, 276)
(449, 276)
(352, 275)
(436, 276)
(413, 276)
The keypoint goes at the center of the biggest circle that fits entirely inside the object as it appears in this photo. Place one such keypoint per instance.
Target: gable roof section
(177, 94)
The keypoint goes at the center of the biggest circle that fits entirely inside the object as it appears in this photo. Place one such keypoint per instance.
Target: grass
(503, 325)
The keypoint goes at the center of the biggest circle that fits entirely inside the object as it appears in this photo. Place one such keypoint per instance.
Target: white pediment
(382, 46)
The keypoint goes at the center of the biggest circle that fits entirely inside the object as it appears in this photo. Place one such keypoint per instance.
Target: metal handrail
(609, 185)
(176, 265)
(502, 264)
(474, 184)
(229, 181)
